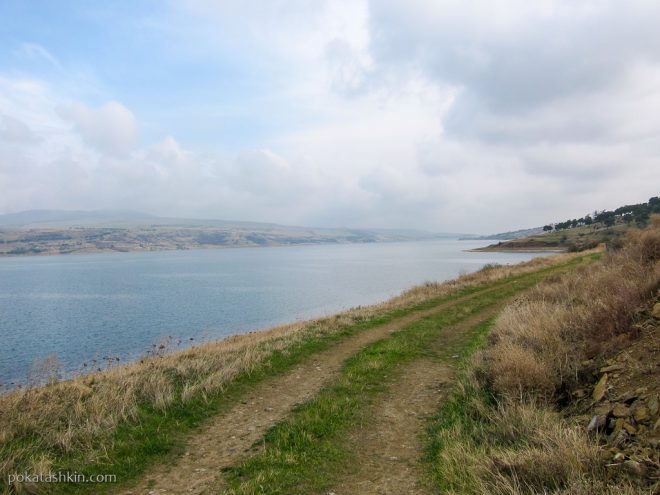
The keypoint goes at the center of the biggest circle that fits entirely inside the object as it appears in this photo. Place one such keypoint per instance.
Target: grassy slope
(501, 431)
(576, 238)
(304, 453)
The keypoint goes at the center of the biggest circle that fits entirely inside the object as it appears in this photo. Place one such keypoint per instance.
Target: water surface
(88, 307)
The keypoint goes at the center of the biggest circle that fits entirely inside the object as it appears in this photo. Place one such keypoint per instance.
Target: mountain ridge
(47, 232)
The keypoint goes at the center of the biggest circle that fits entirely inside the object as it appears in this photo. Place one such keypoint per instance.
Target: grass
(122, 419)
(574, 239)
(305, 453)
(502, 432)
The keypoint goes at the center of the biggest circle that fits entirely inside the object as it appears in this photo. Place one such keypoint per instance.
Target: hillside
(505, 236)
(575, 239)
(65, 232)
(604, 227)
(573, 369)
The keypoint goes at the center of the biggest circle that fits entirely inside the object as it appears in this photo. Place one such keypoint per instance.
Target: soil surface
(389, 448)
(225, 439)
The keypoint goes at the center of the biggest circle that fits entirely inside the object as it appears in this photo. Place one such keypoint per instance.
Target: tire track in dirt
(225, 439)
(389, 447)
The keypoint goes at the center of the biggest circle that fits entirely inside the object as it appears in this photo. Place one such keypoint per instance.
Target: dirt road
(227, 438)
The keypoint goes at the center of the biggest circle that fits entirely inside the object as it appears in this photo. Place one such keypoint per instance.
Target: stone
(599, 389)
(653, 405)
(620, 411)
(640, 414)
(597, 423)
(613, 367)
(605, 409)
(629, 428)
(656, 310)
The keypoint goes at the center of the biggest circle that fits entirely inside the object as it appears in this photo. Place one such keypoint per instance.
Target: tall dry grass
(518, 448)
(40, 425)
(538, 344)
(506, 434)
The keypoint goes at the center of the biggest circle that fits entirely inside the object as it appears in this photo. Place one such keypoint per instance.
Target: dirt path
(226, 438)
(389, 447)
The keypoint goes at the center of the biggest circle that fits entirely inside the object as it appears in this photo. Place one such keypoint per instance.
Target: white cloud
(111, 128)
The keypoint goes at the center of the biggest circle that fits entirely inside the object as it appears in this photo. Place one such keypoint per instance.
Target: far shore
(497, 249)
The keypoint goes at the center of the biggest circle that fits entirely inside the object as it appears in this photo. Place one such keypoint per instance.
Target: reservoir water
(89, 307)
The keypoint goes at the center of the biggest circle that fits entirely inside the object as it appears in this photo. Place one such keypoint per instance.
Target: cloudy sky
(446, 115)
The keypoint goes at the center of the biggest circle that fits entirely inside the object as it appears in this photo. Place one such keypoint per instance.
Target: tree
(547, 228)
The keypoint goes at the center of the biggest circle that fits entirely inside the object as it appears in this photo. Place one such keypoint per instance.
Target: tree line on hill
(639, 214)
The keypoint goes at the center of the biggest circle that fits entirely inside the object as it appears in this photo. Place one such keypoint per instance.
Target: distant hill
(64, 232)
(601, 227)
(105, 218)
(505, 236)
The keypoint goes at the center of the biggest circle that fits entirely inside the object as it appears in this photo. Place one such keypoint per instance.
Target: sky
(443, 115)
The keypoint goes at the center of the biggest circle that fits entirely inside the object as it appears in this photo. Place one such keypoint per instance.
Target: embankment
(564, 397)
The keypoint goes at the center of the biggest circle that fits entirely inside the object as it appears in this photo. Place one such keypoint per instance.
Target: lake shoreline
(496, 249)
(119, 306)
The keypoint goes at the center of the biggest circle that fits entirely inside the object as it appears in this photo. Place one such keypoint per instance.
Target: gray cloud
(514, 54)
(13, 130)
(566, 92)
(452, 115)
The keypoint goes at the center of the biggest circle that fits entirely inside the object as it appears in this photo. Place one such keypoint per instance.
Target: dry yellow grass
(78, 415)
(523, 448)
(521, 444)
(537, 344)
